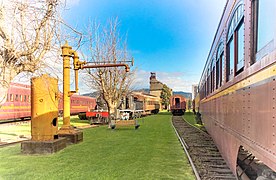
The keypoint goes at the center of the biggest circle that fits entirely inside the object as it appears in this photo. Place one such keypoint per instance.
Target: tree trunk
(112, 110)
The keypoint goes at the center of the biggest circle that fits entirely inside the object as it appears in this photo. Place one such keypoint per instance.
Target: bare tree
(27, 29)
(107, 46)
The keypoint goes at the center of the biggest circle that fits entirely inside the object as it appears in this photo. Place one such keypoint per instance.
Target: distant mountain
(93, 94)
(185, 94)
(96, 94)
(145, 90)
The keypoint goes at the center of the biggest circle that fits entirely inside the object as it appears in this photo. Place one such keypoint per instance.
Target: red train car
(18, 103)
(237, 90)
(177, 105)
(78, 104)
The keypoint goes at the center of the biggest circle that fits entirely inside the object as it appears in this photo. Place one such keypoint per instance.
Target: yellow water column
(67, 130)
(73, 135)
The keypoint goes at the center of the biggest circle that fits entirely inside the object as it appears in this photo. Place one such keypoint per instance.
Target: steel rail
(186, 151)
(13, 121)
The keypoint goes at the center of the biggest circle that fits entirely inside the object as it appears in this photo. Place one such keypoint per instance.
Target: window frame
(235, 24)
(219, 60)
(258, 53)
(11, 98)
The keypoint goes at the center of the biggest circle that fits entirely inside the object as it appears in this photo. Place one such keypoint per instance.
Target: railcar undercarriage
(250, 167)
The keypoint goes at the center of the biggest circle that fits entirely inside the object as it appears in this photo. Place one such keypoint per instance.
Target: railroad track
(203, 154)
(14, 121)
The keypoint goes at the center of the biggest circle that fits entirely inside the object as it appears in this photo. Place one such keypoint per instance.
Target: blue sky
(169, 37)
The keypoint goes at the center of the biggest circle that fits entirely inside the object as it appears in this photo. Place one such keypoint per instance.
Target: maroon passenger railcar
(177, 104)
(237, 90)
(18, 103)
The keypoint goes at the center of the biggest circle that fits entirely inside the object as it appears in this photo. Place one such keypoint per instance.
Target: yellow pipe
(66, 53)
(77, 80)
(77, 65)
(107, 65)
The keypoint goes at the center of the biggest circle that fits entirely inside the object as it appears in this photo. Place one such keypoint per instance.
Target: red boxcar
(177, 105)
(18, 103)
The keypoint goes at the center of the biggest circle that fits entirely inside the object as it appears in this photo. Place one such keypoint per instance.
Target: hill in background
(145, 90)
(185, 94)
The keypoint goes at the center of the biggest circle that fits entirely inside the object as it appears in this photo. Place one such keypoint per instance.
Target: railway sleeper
(218, 166)
(221, 170)
(210, 155)
(201, 145)
(204, 152)
(213, 162)
(215, 158)
(192, 138)
(222, 177)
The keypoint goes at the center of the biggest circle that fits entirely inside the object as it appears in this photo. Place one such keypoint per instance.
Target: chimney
(152, 75)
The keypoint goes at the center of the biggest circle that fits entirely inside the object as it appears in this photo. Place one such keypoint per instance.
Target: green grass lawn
(151, 152)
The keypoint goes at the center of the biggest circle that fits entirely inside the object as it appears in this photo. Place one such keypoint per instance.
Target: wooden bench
(122, 123)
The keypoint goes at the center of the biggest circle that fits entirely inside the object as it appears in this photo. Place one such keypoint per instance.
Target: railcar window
(240, 61)
(25, 98)
(220, 60)
(213, 75)
(217, 72)
(21, 98)
(235, 43)
(208, 82)
(266, 27)
(11, 97)
(16, 97)
(204, 90)
(230, 60)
